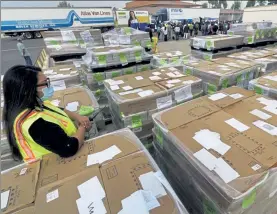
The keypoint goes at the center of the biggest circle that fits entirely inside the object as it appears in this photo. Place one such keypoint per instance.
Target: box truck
(259, 14)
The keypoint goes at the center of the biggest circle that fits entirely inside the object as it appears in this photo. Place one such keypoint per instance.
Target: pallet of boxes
(110, 174)
(134, 98)
(219, 152)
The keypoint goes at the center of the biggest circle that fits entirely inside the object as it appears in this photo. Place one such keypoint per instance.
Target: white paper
(23, 171)
(87, 206)
(155, 78)
(236, 96)
(273, 78)
(271, 109)
(225, 171)
(222, 148)
(77, 64)
(237, 125)
(217, 96)
(101, 157)
(206, 158)
(131, 92)
(173, 81)
(127, 88)
(188, 82)
(139, 78)
(73, 72)
(73, 106)
(256, 167)
(270, 129)
(169, 85)
(172, 69)
(114, 87)
(58, 85)
(183, 94)
(150, 200)
(68, 35)
(92, 189)
(118, 82)
(51, 196)
(4, 199)
(164, 102)
(260, 114)
(156, 73)
(145, 93)
(149, 182)
(268, 102)
(134, 204)
(55, 102)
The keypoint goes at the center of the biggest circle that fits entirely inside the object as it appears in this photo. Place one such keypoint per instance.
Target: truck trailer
(31, 21)
(259, 14)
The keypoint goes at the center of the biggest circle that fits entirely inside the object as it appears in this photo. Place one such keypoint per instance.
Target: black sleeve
(53, 138)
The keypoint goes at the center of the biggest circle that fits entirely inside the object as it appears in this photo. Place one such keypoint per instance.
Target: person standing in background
(165, 31)
(177, 31)
(133, 22)
(186, 31)
(190, 29)
(159, 31)
(24, 52)
(196, 29)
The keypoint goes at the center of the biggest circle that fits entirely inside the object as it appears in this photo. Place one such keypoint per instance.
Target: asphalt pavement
(10, 56)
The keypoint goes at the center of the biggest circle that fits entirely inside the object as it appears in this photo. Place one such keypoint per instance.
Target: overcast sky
(118, 4)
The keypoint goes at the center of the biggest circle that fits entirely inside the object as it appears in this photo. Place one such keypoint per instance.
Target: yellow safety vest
(154, 44)
(29, 149)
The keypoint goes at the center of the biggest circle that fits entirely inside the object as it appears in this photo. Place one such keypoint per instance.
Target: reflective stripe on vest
(29, 149)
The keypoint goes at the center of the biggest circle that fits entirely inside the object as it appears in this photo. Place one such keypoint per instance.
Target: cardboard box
(61, 196)
(27, 210)
(54, 168)
(18, 186)
(121, 178)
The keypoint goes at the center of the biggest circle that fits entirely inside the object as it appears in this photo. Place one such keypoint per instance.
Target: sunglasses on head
(47, 83)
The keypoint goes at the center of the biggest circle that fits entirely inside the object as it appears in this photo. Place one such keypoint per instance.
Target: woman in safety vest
(34, 126)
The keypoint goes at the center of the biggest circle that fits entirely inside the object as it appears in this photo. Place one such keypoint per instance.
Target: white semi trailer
(31, 21)
(259, 14)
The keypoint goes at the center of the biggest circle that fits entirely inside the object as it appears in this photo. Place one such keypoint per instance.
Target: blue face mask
(47, 93)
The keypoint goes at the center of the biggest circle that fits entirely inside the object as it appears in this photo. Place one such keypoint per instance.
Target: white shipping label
(4, 199)
(52, 195)
(127, 88)
(172, 69)
(173, 81)
(150, 182)
(237, 125)
(217, 96)
(92, 189)
(118, 82)
(271, 109)
(58, 85)
(188, 82)
(68, 35)
(270, 129)
(146, 93)
(87, 206)
(206, 158)
(156, 73)
(256, 167)
(150, 200)
(131, 92)
(114, 87)
(73, 106)
(48, 72)
(139, 78)
(236, 96)
(225, 171)
(183, 94)
(155, 78)
(169, 85)
(260, 114)
(134, 204)
(65, 69)
(55, 102)
(164, 102)
(23, 171)
(73, 72)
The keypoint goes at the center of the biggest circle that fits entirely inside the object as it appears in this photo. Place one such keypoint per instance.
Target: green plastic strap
(208, 57)
(225, 83)
(144, 68)
(250, 40)
(239, 78)
(257, 34)
(129, 71)
(258, 90)
(159, 137)
(209, 44)
(127, 30)
(248, 75)
(115, 74)
(54, 42)
(262, 34)
(211, 88)
(249, 200)
(98, 92)
(175, 59)
(99, 77)
(163, 62)
(123, 58)
(149, 44)
(137, 43)
(102, 60)
(73, 42)
(208, 207)
(230, 33)
(188, 71)
(138, 56)
(136, 121)
(86, 110)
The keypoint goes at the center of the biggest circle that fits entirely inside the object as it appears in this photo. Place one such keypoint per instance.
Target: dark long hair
(130, 18)
(20, 93)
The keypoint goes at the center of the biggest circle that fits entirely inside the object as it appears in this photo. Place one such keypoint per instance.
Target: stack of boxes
(134, 98)
(110, 174)
(219, 152)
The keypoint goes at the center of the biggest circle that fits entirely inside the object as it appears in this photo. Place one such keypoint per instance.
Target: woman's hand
(83, 121)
